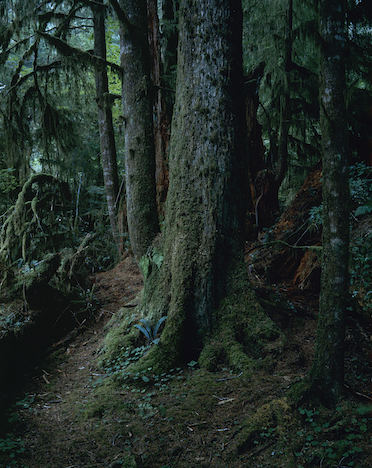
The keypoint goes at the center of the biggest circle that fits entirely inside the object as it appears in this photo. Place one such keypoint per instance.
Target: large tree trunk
(139, 139)
(327, 373)
(106, 128)
(207, 197)
(195, 273)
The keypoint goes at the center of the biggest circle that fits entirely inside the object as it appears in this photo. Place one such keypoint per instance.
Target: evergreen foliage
(49, 141)
(265, 39)
(48, 123)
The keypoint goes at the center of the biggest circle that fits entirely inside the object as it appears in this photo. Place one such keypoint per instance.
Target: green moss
(269, 419)
(104, 401)
(299, 391)
(121, 335)
(212, 355)
(246, 338)
(42, 273)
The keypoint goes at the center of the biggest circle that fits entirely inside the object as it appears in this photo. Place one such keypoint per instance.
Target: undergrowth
(333, 439)
(12, 445)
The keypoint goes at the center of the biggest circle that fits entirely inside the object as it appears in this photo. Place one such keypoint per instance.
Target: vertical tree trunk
(327, 373)
(206, 203)
(161, 112)
(139, 139)
(106, 128)
(285, 98)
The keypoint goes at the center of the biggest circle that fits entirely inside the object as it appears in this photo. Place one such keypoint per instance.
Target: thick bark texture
(106, 128)
(208, 192)
(327, 373)
(139, 140)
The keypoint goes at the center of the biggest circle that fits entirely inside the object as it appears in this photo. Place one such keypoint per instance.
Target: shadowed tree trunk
(106, 128)
(203, 237)
(285, 98)
(195, 273)
(161, 110)
(327, 373)
(139, 138)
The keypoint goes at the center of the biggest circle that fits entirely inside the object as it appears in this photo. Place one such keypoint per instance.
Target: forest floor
(68, 418)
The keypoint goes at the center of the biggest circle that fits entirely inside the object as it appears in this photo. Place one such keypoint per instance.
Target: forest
(185, 233)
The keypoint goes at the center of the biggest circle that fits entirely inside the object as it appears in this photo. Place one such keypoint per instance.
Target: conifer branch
(66, 20)
(24, 78)
(86, 57)
(121, 15)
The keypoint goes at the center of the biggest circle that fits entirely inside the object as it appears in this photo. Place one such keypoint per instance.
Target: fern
(150, 333)
(364, 209)
(151, 258)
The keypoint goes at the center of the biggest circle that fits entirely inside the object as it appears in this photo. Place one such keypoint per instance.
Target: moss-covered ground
(74, 413)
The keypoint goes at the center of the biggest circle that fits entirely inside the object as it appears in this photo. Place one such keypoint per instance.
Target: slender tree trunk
(285, 98)
(106, 128)
(169, 38)
(161, 111)
(142, 217)
(327, 373)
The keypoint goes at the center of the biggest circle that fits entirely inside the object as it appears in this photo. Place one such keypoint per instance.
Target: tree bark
(327, 373)
(161, 111)
(208, 192)
(142, 217)
(285, 98)
(106, 128)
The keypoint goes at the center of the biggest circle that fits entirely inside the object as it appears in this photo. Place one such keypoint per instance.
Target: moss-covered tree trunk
(204, 227)
(106, 128)
(139, 139)
(327, 373)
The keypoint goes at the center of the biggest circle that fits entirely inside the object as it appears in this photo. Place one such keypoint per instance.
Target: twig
(190, 426)
(366, 397)
(303, 247)
(229, 378)
(260, 449)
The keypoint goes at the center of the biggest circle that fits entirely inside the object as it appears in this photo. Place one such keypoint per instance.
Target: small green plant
(360, 183)
(146, 410)
(149, 332)
(332, 442)
(10, 447)
(192, 364)
(364, 209)
(152, 258)
(267, 432)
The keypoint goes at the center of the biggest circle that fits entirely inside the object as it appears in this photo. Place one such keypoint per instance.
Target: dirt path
(70, 418)
(51, 426)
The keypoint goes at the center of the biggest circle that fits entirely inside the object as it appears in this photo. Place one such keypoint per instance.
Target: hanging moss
(34, 226)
